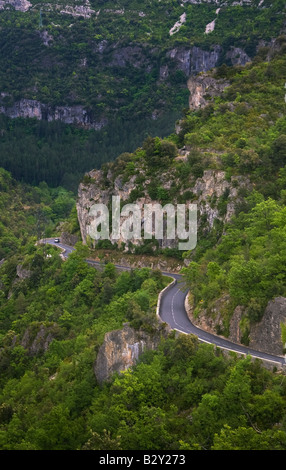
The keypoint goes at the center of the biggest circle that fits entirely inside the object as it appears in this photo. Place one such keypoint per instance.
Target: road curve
(172, 311)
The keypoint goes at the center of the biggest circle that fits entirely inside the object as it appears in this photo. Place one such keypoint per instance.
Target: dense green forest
(56, 58)
(248, 260)
(184, 395)
(243, 133)
(181, 396)
(55, 313)
(59, 154)
(29, 213)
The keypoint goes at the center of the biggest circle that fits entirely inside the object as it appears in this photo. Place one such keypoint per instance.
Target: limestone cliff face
(121, 350)
(219, 2)
(203, 88)
(190, 60)
(195, 60)
(237, 56)
(212, 188)
(23, 273)
(208, 192)
(26, 108)
(265, 336)
(24, 5)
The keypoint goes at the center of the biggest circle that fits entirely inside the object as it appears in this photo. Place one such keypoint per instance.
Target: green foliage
(29, 213)
(184, 395)
(50, 399)
(158, 153)
(116, 79)
(248, 263)
(60, 154)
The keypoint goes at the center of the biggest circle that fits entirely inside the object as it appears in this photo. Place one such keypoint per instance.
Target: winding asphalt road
(172, 311)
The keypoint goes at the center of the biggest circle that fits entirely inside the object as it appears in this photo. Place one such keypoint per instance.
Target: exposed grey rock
(78, 10)
(69, 239)
(218, 2)
(178, 24)
(212, 186)
(121, 350)
(202, 61)
(164, 72)
(273, 46)
(194, 60)
(203, 88)
(26, 108)
(210, 320)
(207, 192)
(237, 56)
(46, 37)
(130, 55)
(234, 326)
(37, 338)
(266, 335)
(23, 273)
(21, 5)
(190, 60)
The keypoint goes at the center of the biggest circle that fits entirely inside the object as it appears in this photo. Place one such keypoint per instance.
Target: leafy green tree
(56, 432)
(244, 438)
(102, 442)
(279, 150)
(237, 394)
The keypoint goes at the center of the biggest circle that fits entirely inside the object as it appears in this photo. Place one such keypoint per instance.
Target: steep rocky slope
(121, 350)
(100, 68)
(108, 72)
(232, 165)
(207, 192)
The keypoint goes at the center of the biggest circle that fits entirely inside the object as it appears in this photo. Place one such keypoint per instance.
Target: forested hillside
(181, 396)
(240, 136)
(106, 86)
(29, 213)
(116, 70)
(55, 313)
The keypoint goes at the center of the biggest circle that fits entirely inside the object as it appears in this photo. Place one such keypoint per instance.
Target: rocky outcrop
(266, 335)
(189, 60)
(24, 5)
(219, 2)
(235, 332)
(212, 190)
(46, 37)
(37, 338)
(178, 24)
(215, 196)
(69, 238)
(203, 88)
(23, 273)
(208, 320)
(77, 115)
(121, 350)
(134, 55)
(237, 56)
(21, 5)
(194, 60)
(79, 10)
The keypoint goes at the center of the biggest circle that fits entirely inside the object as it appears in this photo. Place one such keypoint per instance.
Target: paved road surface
(173, 312)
